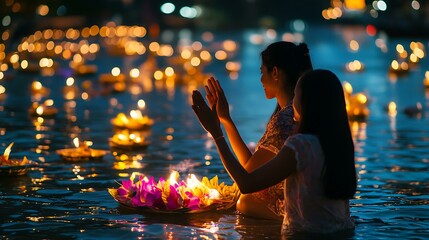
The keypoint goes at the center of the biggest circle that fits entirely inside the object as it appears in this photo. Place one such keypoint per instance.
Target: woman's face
(268, 83)
(297, 102)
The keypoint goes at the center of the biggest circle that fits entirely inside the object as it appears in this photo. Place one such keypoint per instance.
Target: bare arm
(272, 172)
(266, 175)
(216, 96)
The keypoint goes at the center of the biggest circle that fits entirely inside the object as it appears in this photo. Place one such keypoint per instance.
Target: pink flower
(174, 200)
(192, 202)
(127, 190)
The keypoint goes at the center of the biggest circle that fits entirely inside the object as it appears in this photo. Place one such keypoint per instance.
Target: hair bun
(302, 48)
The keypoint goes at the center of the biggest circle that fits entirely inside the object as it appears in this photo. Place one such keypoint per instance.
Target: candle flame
(136, 114)
(392, 109)
(39, 110)
(76, 142)
(193, 182)
(123, 118)
(7, 151)
(362, 98)
(173, 177)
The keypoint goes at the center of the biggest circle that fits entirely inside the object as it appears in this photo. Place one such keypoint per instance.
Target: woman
(282, 65)
(317, 162)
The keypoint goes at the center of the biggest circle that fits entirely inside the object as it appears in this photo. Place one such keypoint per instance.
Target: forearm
(238, 145)
(237, 172)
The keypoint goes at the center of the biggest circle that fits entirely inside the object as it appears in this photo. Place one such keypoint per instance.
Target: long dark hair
(293, 59)
(323, 113)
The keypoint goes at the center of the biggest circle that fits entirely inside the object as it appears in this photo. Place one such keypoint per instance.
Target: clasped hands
(210, 117)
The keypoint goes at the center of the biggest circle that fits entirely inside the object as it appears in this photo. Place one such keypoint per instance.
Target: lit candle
(38, 89)
(113, 77)
(127, 140)
(70, 91)
(3, 94)
(355, 66)
(46, 109)
(398, 68)
(81, 152)
(135, 121)
(13, 166)
(358, 107)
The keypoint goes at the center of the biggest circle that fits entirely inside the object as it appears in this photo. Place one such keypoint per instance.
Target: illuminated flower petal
(174, 200)
(193, 202)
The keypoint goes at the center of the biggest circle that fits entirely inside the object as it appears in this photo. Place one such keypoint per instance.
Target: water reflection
(69, 199)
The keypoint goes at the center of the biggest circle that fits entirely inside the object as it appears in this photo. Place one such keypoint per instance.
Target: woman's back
(306, 207)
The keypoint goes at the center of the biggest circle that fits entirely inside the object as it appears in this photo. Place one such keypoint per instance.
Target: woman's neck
(283, 100)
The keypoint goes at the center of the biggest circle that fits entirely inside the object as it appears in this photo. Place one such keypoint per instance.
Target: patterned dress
(279, 128)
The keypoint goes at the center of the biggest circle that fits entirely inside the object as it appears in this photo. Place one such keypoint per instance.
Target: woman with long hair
(316, 164)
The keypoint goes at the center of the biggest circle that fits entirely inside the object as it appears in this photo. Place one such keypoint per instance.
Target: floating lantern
(135, 121)
(46, 109)
(126, 140)
(85, 69)
(356, 104)
(391, 109)
(13, 166)
(355, 66)
(3, 94)
(70, 91)
(399, 68)
(358, 107)
(29, 67)
(113, 77)
(81, 152)
(175, 196)
(38, 89)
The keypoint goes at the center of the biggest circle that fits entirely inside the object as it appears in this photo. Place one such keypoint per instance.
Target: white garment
(306, 208)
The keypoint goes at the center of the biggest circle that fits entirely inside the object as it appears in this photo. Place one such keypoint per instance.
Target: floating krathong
(135, 121)
(85, 69)
(81, 152)
(399, 68)
(46, 109)
(38, 89)
(175, 196)
(2, 93)
(356, 104)
(128, 140)
(113, 77)
(13, 166)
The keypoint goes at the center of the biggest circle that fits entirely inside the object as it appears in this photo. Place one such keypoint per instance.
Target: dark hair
(293, 59)
(323, 113)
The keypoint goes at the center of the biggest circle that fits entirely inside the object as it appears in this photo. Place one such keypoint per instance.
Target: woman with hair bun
(282, 63)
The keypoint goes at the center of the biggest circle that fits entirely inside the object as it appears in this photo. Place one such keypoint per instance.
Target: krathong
(173, 195)
(135, 121)
(128, 140)
(2, 93)
(81, 152)
(46, 109)
(13, 166)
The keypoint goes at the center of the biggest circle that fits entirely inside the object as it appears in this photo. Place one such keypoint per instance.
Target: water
(66, 200)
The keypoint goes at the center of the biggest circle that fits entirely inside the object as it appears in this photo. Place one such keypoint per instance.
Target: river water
(68, 200)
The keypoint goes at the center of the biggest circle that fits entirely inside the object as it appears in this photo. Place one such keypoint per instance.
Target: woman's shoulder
(283, 118)
(304, 142)
(304, 137)
(307, 149)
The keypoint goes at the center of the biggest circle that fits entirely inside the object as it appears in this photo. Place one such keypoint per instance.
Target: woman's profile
(282, 63)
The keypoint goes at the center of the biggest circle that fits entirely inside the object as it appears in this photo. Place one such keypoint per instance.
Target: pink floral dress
(279, 128)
